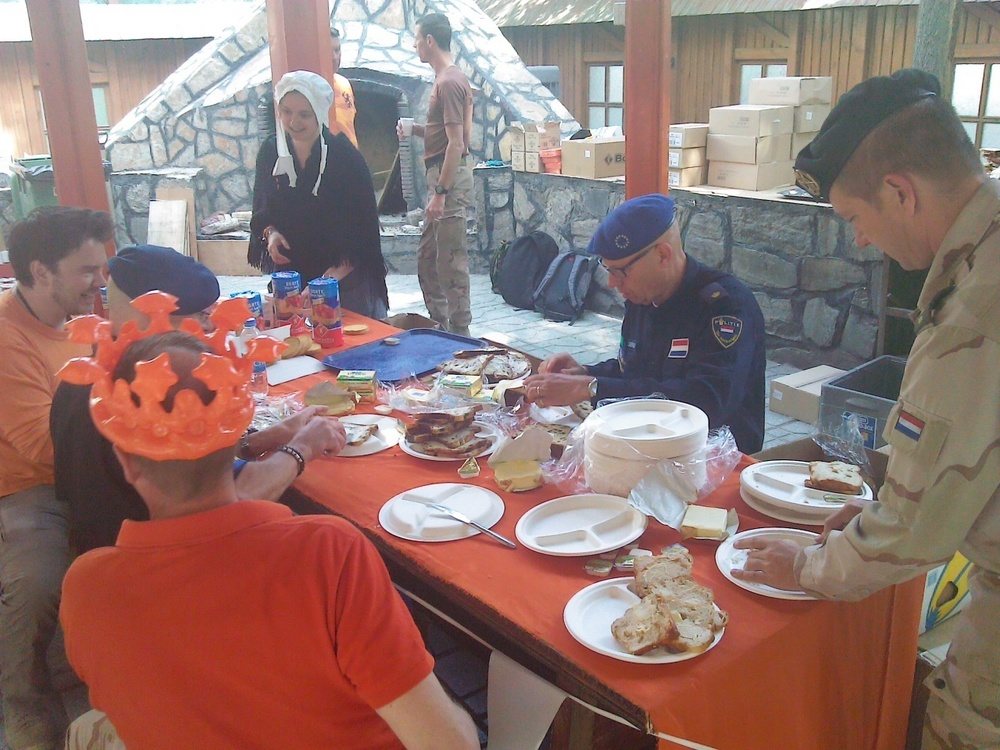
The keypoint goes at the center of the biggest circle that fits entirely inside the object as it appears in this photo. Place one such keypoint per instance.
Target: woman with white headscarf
(314, 204)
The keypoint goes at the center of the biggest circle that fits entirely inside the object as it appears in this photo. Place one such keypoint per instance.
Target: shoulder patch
(713, 293)
(727, 330)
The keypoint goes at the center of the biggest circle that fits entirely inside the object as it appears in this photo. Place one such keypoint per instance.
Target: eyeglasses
(621, 272)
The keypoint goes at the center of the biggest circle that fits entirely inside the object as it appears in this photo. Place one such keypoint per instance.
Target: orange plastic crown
(191, 429)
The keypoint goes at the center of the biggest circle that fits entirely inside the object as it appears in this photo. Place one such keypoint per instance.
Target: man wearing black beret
(692, 333)
(88, 477)
(895, 161)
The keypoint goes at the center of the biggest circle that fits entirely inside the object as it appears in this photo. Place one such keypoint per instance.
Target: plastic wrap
(669, 486)
(841, 440)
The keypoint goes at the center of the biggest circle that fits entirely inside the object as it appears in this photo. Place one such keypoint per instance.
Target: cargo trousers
(34, 556)
(443, 255)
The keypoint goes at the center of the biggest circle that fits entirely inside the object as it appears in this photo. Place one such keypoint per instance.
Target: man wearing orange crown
(57, 254)
(87, 475)
(223, 623)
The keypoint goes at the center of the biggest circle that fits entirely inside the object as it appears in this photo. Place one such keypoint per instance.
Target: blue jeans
(34, 556)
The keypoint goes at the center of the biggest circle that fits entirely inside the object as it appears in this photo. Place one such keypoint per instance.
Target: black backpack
(562, 292)
(521, 266)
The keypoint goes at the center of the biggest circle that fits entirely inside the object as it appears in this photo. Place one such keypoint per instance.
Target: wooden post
(299, 36)
(934, 47)
(648, 71)
(64, 74)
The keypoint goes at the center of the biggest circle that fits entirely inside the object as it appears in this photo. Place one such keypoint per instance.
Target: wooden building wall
(849, 44)
(129, 70)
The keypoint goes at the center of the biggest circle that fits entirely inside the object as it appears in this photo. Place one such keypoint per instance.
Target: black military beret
(858, 112)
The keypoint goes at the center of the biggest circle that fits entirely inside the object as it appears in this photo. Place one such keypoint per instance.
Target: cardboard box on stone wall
(809, 118)
(682, 158)
(751, 119)
(687, 135)
(800, 141)
(594, 157)
(688, 177)
(531, 137)
(753, 177)
(749, 149)
(792, 90)
(517, 161)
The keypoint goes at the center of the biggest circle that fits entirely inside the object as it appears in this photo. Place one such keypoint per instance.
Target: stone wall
(819, 292)
(131, 192)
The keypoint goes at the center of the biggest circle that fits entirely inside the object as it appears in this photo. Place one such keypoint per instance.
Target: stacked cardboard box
(749, 145)
(527, 139)
(686, 157)
(811, 98)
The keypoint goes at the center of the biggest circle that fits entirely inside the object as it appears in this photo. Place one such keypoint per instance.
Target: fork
(462, 518)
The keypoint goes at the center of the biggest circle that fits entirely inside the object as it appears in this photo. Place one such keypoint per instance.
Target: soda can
(289, 301)
(104, 301)
(256, 304)
(328, 329)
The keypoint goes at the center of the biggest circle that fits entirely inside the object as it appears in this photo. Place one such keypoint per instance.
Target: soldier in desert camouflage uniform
(895, 161)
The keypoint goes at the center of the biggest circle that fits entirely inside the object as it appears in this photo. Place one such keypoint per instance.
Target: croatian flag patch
(678, 349)
(909, 425)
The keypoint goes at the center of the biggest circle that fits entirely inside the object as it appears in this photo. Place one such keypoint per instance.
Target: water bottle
(258, 382)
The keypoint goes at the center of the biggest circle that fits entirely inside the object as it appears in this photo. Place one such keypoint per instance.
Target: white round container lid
(654, 428)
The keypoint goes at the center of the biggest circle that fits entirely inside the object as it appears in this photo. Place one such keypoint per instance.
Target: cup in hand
(404, 128)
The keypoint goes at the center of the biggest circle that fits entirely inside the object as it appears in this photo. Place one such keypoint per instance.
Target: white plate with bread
(812, 488)
(407, 516)
(580, 525)
(590, 614)
(368, 434)
(728, 558)
(474, 441)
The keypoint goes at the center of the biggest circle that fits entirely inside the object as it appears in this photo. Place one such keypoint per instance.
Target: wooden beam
(793, 44)
(299, 36)
(779, 38)
(63, 72)
(966, 51)
(760, 53)
(648, 57)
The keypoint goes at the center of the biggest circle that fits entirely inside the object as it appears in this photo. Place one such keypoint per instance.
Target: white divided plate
(589, 614)
(387, 435)
(652, 428)
(728, 558)
(783, 483)
(484, 431)
(580, 525)
(780, 514)
(407, 516)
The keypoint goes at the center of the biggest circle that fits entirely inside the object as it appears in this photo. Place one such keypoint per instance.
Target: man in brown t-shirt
(443, 257)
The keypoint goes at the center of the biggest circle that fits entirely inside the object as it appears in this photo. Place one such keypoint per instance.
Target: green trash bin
(32, 184)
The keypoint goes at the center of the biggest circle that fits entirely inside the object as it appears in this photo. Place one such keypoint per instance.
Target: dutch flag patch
(678, 349)
(909, 425)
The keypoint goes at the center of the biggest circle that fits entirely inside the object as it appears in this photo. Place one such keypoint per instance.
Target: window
(100, 94)
(606, 95)
(750, 71)
(976, 98)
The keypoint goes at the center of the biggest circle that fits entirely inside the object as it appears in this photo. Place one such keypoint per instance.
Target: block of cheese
(464, 385)
(707, 523)
(518, 476)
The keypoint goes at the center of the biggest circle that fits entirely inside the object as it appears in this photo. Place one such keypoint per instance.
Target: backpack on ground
(521, 267)
(562, 292)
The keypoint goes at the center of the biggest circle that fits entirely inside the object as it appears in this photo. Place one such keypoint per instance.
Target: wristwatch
(593, 387)
(440, 190)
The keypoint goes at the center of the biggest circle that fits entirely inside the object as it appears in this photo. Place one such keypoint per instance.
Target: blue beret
(635, 224)
(858, 112)
(138, 269)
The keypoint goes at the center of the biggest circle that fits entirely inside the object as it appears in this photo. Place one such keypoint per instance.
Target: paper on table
(289, 369)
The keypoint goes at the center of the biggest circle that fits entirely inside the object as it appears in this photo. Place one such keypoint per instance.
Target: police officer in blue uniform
(692, 333)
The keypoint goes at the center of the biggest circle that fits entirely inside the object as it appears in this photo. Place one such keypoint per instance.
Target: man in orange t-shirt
(58, 255)
(232, 624)
(344, 110)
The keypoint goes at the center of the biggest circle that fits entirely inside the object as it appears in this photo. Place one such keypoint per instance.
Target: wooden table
(786, 675)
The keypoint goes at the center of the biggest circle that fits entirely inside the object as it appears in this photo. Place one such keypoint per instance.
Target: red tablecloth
(786, 675)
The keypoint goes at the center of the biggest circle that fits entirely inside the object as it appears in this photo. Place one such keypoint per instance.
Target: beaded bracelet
(294, 454)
